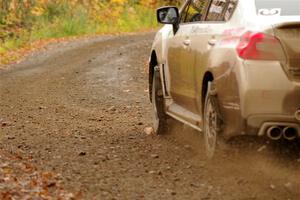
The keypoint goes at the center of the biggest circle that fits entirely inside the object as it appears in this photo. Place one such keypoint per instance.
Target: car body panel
(181, 62)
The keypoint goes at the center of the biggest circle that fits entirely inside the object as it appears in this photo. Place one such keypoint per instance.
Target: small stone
(154, 156)
(176, 179)
(149, 130)
(131, 137)
(273, 187)
(104, 158)
(151, 172)
(105, 193)
(202, 165)
(195, 185)
(112, 108)
(189, 166)
(172, 192)
(52, 184)
(288, 185)
(262, 148)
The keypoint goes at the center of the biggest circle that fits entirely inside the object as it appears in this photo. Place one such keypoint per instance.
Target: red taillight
(259, 46)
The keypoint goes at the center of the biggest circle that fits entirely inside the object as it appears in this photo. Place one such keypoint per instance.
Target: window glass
(216, 10)
(183, 14)
(194, 11)
(278, 7)
(230, 9)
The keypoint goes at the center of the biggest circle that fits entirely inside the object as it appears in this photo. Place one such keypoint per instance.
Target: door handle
(187, 42)
(212, 42)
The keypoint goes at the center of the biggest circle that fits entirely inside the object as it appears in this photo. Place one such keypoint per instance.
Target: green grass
(142, 19)
(61, 22)
(64, 25)
(15, 42)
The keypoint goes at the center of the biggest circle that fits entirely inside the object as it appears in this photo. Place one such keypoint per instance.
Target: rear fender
(226, 68)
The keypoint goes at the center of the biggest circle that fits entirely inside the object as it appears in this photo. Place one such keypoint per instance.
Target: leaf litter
(20, 179)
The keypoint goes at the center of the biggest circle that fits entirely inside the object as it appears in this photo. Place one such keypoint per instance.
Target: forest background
(25, 23)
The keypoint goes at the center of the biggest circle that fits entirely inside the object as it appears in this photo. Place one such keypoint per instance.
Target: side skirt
(185, 116)
(184, 121)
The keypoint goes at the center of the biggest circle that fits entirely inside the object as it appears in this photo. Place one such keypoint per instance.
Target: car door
(181, 59)
(204, 37)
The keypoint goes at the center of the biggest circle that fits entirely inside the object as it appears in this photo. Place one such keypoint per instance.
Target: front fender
(158, 54)
(160, 43)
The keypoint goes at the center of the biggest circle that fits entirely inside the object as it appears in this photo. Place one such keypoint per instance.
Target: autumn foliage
(25, 14)
(23, 22)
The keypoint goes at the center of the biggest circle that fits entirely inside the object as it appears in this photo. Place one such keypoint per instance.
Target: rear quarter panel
(226, 67)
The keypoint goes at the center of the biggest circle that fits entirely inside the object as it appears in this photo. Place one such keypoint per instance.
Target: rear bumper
(259, 124)
(268, 94)
(265, 94)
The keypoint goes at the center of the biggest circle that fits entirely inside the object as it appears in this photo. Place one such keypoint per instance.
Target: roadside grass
(61, 22)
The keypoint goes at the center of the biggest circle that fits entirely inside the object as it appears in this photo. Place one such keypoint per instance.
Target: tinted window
(194, 11)
(230, 9)
(278, 7)
(216, 10)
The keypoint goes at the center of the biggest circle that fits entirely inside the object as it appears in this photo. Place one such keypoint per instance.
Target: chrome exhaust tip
(290, 133)
(297, 115)
(274, 133)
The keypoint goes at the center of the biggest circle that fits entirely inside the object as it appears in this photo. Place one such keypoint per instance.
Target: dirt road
(80, 109)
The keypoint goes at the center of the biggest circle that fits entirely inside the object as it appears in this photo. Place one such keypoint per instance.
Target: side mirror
(168, 15)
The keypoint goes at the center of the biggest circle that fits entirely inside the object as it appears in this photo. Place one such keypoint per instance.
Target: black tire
(158, 107)
(212, 121)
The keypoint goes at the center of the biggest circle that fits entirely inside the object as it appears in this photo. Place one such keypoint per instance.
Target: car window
(194, 11)
(230, 9)
(278, 7)
(217, 10)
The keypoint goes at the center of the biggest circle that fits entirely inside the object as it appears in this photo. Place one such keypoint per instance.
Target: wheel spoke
(210, 128)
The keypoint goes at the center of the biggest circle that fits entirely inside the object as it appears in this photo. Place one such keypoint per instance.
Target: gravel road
(79, 109)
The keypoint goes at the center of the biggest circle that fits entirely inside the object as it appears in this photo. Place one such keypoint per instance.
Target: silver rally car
(228, 67)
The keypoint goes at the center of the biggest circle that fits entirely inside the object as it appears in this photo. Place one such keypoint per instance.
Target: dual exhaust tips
(277, 132)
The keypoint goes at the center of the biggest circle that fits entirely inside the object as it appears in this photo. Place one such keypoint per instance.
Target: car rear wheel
(211, 121)
(159, 115)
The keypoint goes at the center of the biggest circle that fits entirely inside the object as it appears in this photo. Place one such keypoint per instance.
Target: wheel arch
(153, 62)
(208, 77)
